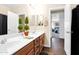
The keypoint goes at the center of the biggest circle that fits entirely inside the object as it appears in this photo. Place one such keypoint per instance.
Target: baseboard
(61, 38)
(47, 46)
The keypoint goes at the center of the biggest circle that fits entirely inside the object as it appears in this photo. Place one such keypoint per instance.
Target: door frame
(50, 22)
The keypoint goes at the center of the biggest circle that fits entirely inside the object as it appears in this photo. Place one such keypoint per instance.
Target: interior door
(75, 32)
(12, 22)
(67, 26)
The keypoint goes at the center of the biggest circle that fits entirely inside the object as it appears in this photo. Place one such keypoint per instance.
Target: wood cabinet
(26, 49)
(31, 52)
(37, 45)
(41, 42)
(33, 48)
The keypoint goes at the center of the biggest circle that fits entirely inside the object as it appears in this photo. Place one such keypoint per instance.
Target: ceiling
(23, 5)
(14, 5)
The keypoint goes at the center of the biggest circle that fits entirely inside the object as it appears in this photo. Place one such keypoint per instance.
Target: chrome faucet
(3, 41)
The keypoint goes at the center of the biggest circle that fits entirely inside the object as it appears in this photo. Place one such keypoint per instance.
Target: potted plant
(26, 27)
(20, 27)
(20, 21)
(26, 20)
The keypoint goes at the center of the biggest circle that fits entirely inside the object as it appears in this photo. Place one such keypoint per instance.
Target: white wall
(19, 9)
(46, 12)
(12, 23)
(61, 24)
(36, 9)
(4, 9)
(40, 10)
(31, 10)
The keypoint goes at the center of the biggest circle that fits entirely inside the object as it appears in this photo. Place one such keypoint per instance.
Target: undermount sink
(8, 44)
(4, 48)
(12, 42)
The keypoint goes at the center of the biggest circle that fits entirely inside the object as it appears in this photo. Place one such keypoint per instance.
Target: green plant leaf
(20, 21)
(26, 27)
(20, 27)
(26, 20)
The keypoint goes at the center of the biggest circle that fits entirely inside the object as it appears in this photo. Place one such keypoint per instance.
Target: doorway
(57, 24)
(57, 30)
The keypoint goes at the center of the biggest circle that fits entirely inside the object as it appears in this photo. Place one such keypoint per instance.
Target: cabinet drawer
(25, 50)
(37, 48)
(41, 48)
(41, 43)
(31, 52)
(37, 52)
(37, 41)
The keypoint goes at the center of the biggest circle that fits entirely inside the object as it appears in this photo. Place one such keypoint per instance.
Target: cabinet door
(31, 52)
(37, 46)
(25, 50)
(41, 42)
(12, 22)
(37, 52)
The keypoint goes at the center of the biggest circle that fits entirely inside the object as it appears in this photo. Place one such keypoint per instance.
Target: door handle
(68, 32)
(72, 32)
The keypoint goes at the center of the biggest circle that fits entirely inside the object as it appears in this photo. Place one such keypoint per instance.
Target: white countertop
(18, 42)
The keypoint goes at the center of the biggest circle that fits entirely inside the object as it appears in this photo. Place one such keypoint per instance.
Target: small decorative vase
(26, 33)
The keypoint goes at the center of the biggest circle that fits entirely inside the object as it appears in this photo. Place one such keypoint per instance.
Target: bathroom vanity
(33, 48)
(20, 45)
